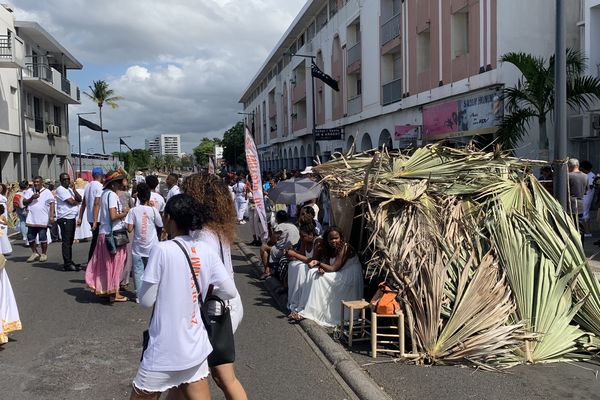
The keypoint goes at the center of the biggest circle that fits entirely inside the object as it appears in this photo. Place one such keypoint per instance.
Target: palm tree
(101, 93)
(533, 96)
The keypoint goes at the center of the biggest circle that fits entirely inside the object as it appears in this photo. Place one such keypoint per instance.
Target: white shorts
(161, 381)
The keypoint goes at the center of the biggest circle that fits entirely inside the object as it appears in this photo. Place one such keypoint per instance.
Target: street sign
(328, 134)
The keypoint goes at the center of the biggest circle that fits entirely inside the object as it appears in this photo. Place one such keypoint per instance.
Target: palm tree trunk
(543, 140)
(101, 129)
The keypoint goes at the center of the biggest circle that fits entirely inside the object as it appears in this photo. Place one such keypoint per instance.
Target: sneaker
(242, 222)
(33, 257)
(43, 258)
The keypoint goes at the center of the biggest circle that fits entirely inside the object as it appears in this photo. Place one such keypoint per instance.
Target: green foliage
(171, 162)
(234, 150)
(204, 149)
(135, 159)
(101, 94)
(533, 95)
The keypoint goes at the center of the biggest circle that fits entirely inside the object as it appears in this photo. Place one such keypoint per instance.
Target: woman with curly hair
(218, 233)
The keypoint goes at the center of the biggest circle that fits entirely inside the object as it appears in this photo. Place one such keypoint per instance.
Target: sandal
(120, 299)
(264, 276)
(294, 316)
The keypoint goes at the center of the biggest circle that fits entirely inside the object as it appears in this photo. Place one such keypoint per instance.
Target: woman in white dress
(9, 314)
(5, 247)
(310, 247)
(335, 277)
(218, 234)
(83, 231)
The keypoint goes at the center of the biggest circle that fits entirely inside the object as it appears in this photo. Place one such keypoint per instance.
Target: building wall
(446, 50)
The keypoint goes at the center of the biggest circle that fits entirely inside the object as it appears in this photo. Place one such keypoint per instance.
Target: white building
(166, 144)
(409, 72)
(34, 98)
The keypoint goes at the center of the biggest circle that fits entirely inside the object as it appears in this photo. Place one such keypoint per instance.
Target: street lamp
(79, 134)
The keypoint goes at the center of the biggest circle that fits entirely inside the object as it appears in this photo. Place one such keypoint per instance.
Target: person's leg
(93, 244)
(22, 225)
(224, 377)
(138, 271)
(32, 233)
(197, 390)
(43, 235)
(137, 394)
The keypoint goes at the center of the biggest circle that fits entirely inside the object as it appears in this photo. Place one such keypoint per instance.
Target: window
(310, 32)
(460, 33)
(423, 50)
(358, 87)
(333, 8)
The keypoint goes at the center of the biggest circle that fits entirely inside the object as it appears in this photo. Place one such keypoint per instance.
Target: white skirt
(83, 231)
(297, 279)
(161, 381)
(5, 247)
(322, 297)
(9, 314)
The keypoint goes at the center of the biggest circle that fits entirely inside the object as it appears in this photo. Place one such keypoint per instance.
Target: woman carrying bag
(103, 272)
(178, 345)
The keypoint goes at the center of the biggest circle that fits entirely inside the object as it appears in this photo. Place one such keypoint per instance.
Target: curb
(355, 377)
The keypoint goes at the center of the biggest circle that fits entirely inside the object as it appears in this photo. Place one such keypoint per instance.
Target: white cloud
(181, 65)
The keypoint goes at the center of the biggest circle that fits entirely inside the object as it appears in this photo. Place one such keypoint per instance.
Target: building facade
(166, 144)
(410, 72)
(34, 97)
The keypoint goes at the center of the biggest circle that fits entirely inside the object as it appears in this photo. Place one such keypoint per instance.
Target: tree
(204, 150)
(533, 96)
(100, 93)
(157, 162)
(233, 143)
(135, 159)
(170, 162)
(186, 162)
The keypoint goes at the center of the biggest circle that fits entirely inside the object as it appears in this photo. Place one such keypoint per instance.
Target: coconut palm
(533, 96)
(101, 93)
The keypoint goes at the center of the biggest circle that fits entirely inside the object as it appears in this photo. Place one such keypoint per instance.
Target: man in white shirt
(172, 181)
(67, 209)
(40, 203)
(91, 203)
(586, 167)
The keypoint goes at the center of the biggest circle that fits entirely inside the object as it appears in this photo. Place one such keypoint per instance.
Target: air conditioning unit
(584, 126)
(53, 130)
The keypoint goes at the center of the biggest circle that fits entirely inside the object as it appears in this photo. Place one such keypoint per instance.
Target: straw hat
(112, 176)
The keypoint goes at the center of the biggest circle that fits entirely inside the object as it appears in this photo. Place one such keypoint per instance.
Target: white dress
(323, 293)
(9, 314)
(83, 231)
(5, 247)
(297, 275)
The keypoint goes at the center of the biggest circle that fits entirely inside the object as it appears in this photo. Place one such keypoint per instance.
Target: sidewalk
(403, 380)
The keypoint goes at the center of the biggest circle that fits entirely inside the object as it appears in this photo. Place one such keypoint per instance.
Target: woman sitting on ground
(335, 276)
(309, 248)
(178, 345)
(307, 216)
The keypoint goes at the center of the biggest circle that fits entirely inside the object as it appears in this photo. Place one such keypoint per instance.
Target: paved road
(74, 346)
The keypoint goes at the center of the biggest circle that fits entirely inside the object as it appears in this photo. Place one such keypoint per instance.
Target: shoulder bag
(116, 238)
(218, 327)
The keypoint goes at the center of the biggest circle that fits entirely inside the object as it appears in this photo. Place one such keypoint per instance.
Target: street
(75, 346)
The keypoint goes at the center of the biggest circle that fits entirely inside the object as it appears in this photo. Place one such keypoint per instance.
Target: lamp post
(79, 134)
(560, 107)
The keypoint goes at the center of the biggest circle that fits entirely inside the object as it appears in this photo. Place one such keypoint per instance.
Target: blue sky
(180, 66)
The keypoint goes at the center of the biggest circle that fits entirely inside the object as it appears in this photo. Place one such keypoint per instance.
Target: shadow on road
(83, 295)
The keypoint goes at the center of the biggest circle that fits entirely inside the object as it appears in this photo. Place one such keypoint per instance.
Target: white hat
(307, 170)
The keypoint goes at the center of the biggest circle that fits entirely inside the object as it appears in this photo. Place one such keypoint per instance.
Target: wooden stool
(394, 334)
(354, 305)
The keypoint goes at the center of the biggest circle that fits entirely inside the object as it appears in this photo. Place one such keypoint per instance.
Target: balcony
(47, 80)
(12, 52)
(354, 105)
(392, 92)
(354, 58)
(390, 30)
(299, 92)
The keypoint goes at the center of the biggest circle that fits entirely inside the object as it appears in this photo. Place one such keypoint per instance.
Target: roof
(38, 35)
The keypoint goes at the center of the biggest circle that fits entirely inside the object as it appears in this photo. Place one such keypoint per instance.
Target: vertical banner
(257, 191)
(211, 166)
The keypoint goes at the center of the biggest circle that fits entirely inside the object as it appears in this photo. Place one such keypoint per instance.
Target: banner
(211, 166)
(316, 72)
(467, 116)
(257, 191)
(406, 135)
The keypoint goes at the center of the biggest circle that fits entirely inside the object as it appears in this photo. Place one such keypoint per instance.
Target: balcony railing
(42, 71)
(354, 54)
(65, 85)
(354, 105)
(5, 47)
(390, 30)
(392, 92)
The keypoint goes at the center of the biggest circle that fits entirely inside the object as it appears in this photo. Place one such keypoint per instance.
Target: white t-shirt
(92, 191)
(210, 239)
(39, 209)
(64, 209)
(4, 202)
(157, 201)
(110, 200)
(173, 191)
(144, 219)
(239, 189)
(178, 339)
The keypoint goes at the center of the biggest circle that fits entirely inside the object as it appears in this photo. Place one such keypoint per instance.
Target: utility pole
(560, 107)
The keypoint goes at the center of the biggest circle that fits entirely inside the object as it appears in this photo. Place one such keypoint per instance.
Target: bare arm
(114, 215)
(340, 260)
(82, 210)
(51, 213)
(96, 211)
(130, 228)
